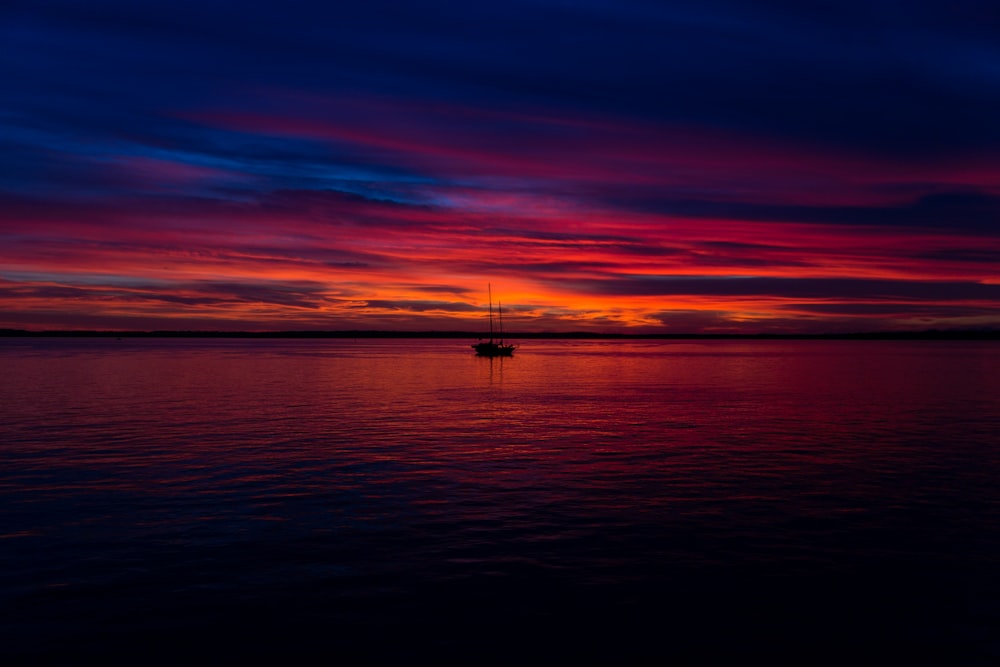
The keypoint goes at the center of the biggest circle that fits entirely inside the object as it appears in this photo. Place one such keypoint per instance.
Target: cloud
(609, 161)
(419, 306)
(792, 288)
(895, 310)
(971, 211)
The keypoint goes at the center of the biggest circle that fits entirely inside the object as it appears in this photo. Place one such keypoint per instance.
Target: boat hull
(492, 349)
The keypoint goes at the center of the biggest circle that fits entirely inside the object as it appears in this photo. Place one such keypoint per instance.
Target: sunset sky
(610, 165)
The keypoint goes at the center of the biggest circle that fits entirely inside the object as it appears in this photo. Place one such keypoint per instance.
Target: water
(404, 500)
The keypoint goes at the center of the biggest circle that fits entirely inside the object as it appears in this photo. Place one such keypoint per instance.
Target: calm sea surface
(405, 501)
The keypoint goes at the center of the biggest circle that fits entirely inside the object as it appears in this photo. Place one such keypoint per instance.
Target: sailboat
(494, 348)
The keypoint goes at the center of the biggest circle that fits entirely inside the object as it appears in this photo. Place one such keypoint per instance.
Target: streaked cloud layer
(611, 166)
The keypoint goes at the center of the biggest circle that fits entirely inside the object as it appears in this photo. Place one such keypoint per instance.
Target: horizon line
(960, 334)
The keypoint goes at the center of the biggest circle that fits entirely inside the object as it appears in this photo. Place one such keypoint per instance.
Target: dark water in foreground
(405, 501)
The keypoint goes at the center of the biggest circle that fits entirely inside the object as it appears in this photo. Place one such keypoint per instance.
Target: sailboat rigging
(495, 347)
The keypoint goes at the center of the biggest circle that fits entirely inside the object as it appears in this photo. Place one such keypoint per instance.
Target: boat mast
(489, 291)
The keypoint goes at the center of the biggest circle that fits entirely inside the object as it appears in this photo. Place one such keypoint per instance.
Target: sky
(617, 166)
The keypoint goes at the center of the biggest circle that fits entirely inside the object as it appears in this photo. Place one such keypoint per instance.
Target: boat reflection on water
(494, 347)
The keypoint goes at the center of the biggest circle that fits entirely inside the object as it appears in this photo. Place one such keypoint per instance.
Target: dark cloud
(894, 310)
(104, 74)
(298, 294)
(684, 321)
(794, 288)
(863, 74)
(972, 211)
(971, 255)
(439, 289)
(419, 306)
(204, 293)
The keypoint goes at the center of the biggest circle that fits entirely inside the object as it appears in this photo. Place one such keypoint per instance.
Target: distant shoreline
(564, 335)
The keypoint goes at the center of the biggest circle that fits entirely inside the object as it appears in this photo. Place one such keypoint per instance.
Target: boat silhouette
(494, 347)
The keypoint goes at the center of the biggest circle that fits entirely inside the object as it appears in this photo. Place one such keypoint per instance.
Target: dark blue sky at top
(901, 79)
(921, 79)
(900, 82)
